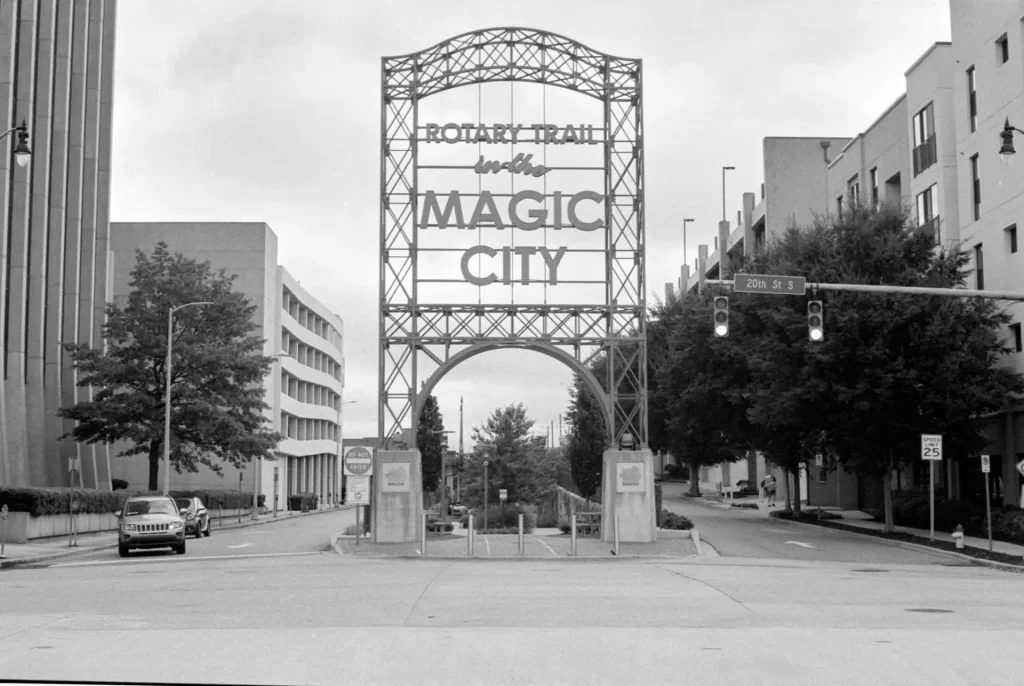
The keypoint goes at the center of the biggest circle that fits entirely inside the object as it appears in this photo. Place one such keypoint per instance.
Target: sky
(264, 111)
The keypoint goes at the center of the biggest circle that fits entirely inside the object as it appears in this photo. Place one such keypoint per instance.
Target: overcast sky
(260, 110)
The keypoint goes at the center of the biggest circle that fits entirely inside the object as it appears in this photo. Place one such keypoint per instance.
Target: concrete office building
(936, 150)
(305, 388)
(56, 75)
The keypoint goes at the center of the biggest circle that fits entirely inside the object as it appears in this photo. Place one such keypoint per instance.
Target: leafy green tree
(217, 371)
(430, 440)
(699, 382)
(586, 441)
(518, 461)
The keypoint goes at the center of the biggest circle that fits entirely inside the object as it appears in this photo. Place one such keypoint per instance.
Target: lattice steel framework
(411, 330)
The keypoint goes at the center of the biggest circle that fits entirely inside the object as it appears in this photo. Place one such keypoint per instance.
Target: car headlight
(127, 527)
(191, 515)
(177, 525)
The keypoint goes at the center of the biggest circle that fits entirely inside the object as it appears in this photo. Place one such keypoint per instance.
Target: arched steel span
(410, 328)
(544, 348)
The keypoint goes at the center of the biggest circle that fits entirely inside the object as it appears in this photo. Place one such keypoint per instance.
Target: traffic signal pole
(908, 290)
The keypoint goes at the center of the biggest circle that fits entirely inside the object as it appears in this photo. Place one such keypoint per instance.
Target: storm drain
(873, 571)
(929, 610)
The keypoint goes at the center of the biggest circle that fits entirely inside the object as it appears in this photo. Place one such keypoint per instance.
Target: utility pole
(460, 427)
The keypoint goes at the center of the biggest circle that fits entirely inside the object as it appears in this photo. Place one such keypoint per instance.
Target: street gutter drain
(870, 570)
(929, 609)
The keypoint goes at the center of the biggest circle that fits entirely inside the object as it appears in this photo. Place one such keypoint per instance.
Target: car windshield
(183, 503)
(142, 507)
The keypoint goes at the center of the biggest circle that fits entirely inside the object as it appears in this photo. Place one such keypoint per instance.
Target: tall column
(54, 357)
(43, 470)
(18, 239)
(8, 32)
(73, 226)
(88, 280)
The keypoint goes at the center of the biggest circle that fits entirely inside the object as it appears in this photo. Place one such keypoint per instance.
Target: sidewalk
(42, 550)
(861, 520)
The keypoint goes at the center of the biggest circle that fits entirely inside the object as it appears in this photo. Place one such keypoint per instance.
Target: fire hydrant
(958, 536)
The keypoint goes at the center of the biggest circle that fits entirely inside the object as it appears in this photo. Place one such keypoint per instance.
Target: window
(874, 187)
(926, 217)
(1018, 343)
(853, 190)
(976, 187)
(839, 206)
(924, 139)
(1011, 235)
(979, 267)
(972, 100)
(1002, 49)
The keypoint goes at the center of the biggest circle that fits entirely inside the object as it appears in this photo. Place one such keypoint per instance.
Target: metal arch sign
(510, 206)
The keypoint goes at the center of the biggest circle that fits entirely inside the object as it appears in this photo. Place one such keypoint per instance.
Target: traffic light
(815, 321)
(721, 316)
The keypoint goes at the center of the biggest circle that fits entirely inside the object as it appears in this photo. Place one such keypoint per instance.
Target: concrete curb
(74, 552)
(994, 564)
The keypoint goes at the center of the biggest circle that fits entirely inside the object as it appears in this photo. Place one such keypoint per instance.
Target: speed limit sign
(986, 464)
(931, 447)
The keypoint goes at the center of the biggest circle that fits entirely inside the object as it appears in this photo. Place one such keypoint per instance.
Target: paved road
(741, 533)
(292, 536)
(328, 619)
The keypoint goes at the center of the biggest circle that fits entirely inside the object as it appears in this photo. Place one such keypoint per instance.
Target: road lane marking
(550, 549)
(802, 545)
(174, 560)
(241, 545)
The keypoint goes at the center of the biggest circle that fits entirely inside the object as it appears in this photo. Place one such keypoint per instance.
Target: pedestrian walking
(769, 486)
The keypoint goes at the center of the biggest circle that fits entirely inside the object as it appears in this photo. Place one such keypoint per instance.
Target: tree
(891, 366)
(430, 440)
(518, 461)
(699, 383)
(586, 441)
(217, 370)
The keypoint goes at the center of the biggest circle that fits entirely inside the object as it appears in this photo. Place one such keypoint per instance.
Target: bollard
(522, 547)
(616, 527)
(573, 540)
(469, 538)
(423, 534)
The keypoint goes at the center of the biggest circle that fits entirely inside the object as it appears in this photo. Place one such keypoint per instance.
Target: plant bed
(970, 551)
(671, 520)
(745, 506)
(806, 515)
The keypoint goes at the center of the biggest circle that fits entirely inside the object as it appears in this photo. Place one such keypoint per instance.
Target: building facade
(935, 150)
(304, 390)
(56, 75)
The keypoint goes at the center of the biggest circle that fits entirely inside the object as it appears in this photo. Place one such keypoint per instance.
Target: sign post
(3, 531)
(72, 504)
(357, 469)
(986, 467)
(931, 450)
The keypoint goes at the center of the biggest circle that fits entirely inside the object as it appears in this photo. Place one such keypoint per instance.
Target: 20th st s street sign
(766, 283)
(358, 461)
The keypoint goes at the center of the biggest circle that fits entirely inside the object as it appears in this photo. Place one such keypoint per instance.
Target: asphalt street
(288, 613)
(747, 534)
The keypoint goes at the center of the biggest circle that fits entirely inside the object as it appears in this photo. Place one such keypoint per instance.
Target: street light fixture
(22, 152)
(1007, 151)
(167, 394)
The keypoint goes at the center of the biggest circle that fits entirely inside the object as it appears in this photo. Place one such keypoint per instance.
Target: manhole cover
(873, 571)
(929, 609)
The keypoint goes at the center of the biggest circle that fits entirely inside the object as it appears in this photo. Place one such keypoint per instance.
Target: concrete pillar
(749, 203)
(43, 469)
(26, 471)
(724, 267)
(627, 490)
(397, 496)
(57, 362)
(8, 31)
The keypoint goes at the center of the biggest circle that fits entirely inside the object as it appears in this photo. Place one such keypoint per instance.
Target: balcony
(924, 155)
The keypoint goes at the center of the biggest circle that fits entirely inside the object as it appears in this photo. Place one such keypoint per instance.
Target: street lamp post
(22, 152)
(724, 169)
(685, 222)
(167, 394)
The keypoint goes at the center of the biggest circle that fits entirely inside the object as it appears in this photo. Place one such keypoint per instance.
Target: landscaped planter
(22, 527)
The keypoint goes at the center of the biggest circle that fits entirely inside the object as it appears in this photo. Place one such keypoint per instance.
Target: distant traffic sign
(503, 494)
(766, 283)
(931, 447)
(986, 464)
(357, 490)
(358, 461)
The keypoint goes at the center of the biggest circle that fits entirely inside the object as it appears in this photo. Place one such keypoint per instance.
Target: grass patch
(970, 551)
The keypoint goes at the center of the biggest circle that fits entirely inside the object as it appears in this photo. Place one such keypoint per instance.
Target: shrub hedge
(504, 517)
(671, 520)
(911, 508)
(56, 501)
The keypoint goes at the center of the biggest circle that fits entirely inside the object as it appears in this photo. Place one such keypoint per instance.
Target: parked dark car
(197, 519)
(151, 521)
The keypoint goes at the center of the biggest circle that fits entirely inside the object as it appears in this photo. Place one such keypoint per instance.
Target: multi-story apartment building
(936, 150)
(56, 76)
(304, 391)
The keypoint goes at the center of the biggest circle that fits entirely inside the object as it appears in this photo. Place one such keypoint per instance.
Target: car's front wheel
(122, 550)
(199, 529)
(180, 549)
